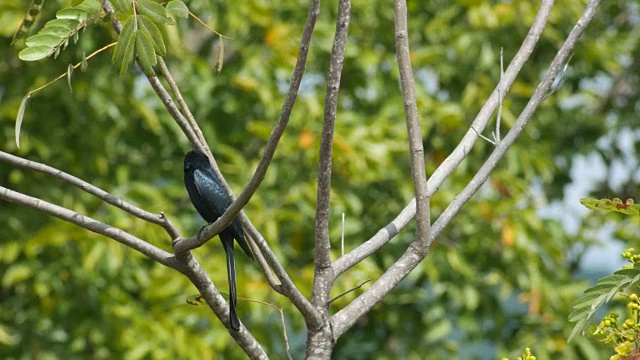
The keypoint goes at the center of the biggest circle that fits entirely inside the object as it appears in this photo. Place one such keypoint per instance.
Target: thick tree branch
(90, 224)
(460, 152)
(323, 273)
(501, 148)
(418, 172)
(158, 219)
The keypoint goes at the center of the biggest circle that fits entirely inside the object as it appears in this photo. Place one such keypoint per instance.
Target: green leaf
(35, 53)
(69, 24)
(59, 31)
(155, 11)
(124, 52)
(48, 40)
(594, 297)
(145, 24)
(178, 9)
(146, 54)
(122, 6)
(73, 13)
(92, 7)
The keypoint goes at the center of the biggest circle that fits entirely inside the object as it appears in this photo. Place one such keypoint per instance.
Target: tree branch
(90, 224)
(418, 172)
(323, 273)
(460, 152)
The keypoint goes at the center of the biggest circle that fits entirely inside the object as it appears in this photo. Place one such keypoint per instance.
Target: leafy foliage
(594, 297)
(55, 34)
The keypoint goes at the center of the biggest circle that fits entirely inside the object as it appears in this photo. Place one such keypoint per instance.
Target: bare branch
(463, 148)
(183, 105)
(90, 224)
(323, 273)
(157, 219)
(539, 95)
(418, 172)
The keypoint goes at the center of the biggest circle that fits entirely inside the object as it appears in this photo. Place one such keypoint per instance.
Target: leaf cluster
(140, 35)
(595, 297)
(56, 33)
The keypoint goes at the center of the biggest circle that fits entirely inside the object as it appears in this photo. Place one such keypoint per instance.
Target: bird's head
(195, 159)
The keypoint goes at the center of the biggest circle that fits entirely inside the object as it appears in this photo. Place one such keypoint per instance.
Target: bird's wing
(214, 196)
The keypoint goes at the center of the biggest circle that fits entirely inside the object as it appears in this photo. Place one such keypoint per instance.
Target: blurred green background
(501, 277)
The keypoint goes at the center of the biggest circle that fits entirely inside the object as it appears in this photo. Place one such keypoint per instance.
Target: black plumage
(211, 200)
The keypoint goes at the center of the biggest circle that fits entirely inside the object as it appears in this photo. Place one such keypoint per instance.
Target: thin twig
(284, 326)
(30, 93)
(348, 291)
(183, 104)
(342, 237)
(207, 26)
(492, 142)
(90, 224)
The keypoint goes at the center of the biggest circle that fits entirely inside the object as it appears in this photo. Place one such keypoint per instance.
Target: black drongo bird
(211, 200)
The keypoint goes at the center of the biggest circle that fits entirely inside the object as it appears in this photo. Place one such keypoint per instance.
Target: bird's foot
(200, 232)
